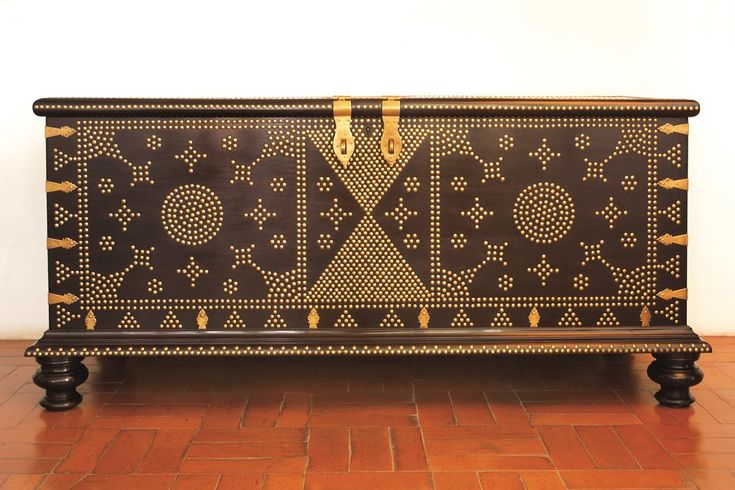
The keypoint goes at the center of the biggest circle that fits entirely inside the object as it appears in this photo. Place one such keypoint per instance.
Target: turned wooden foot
(675, 372)
(60, 376)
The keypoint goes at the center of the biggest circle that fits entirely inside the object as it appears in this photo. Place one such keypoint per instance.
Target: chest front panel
(256, 222)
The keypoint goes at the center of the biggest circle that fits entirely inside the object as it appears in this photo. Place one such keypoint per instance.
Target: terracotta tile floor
(378, 423)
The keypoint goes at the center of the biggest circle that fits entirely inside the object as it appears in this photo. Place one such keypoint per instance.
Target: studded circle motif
(543, 212)
(192, 214)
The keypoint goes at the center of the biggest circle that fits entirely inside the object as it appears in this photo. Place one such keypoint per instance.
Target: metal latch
(668, 239)
(390, 143)
(669, 184)
(344, 142)
(669, 128)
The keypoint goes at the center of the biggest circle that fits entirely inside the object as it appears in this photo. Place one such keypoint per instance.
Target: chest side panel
(255, 224)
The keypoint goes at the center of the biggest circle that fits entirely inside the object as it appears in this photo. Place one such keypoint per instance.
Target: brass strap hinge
(65, 187)
(667, 239)
(344, 142)
(668, 183)
(66, 243)
(390, 143)
(669, 128)
(64, 131)
(669, 294)
(67, 299)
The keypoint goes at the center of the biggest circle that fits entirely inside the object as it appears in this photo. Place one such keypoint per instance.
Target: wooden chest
(366, 226)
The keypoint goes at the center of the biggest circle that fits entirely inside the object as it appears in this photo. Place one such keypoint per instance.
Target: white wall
(665, 48)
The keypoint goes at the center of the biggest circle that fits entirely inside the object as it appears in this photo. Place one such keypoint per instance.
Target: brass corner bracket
(65, 243)
(669, 128)
(344, 141)
(669, 294)
(667, 239)
(67, 299)
(64, 131)
(667, 183)
(65, 187)
(390, 143)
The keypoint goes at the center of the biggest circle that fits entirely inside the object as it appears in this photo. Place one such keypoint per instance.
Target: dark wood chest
(366, 227)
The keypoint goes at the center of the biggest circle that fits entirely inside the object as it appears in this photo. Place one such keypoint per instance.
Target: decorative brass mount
(344, 141)
(667, 239)
(65, 187)
(669, 294)
(64, 131)
(668, 183)
(65, 243)
(669, 128)
(67, 299)
(313, 319)
(390, 143)
(90, 320)
(202, 320)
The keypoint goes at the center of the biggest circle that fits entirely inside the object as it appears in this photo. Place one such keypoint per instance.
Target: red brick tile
(196, 482)
(623, 479)
(362, 398)
(82, 415)
(22, 482)
(577, 407)
(702, 445)
(716, 406)
(506, 407)
(486, 462)
(247, 449)
(471, 408)
(568, 396)
(370, 449)
(166, 451)
(162, 422)
(125, 482)
(125, 452)
(706, 461)
(225, 411)
(606, 448)
(329, 449)
(465, 442)
(26, 465)
(293, 464)
(83, 456)
(501, 480)
(712, 479)
(16, 408)
(250, 434)
(584, 419)
(169, 410)
(664, 432)
(60, 482)
(296, 410)
(262, 410)
(242, 481)
(408, 449)
(434, 408)
(645, 448)
(18, 377)
(370, 481)
(40, 435)
(396, 415)
(452, 480)
(33, 450)
(565, 448)
(283, 481)
(542, 480)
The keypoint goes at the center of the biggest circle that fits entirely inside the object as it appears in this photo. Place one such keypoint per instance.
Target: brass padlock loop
(344, 141)
(390, 143)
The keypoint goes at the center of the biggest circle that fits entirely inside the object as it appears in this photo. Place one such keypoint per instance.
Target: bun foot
(60, 376)
(675, 372)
